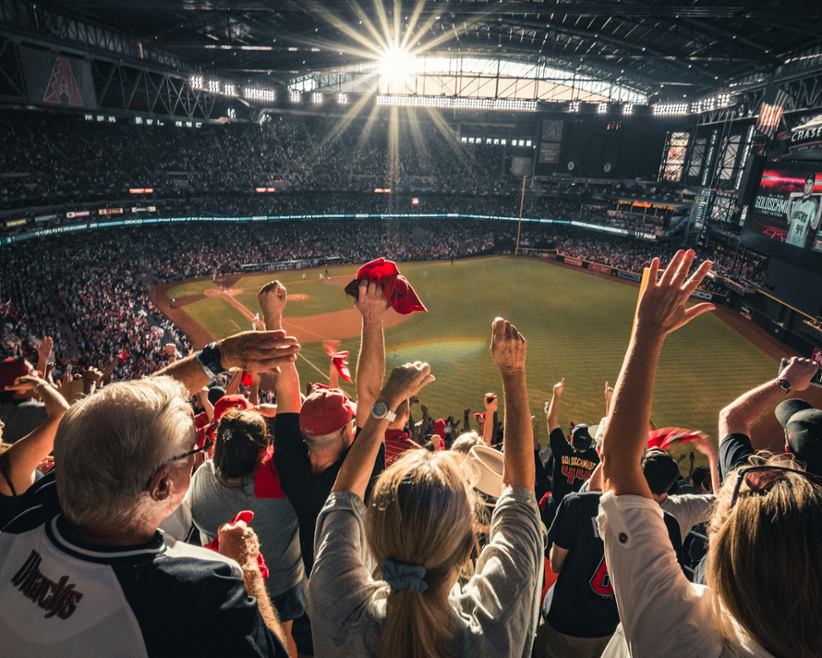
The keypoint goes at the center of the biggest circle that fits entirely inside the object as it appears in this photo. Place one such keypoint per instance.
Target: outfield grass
(576, 323)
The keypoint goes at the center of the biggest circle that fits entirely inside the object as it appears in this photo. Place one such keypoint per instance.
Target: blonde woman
(764, 580)
(417, 533)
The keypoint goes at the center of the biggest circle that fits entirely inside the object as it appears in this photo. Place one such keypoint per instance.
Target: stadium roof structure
(663, 49)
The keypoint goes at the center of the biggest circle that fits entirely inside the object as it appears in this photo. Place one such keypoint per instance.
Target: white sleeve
(649, 585)
(689, 510)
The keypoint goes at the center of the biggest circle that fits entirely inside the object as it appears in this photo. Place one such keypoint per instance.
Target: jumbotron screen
(784, 214)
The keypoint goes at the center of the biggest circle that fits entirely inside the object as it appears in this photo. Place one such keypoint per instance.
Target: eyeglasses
(208, 443)
(760, 479)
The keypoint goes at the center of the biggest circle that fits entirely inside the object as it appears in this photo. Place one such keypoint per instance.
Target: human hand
(258, 351)
(661, 308)
(609, 392)
(508, 347)
(371, 301)
(405, 381)
(799, 372)
(704, 444)
(44, 348)
(91, 377)
(490, 401)
(559, 388)
(55, 403)
(240, 543)
(272, 299)
(47, 465)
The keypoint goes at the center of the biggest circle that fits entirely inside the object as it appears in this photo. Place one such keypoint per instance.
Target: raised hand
(405, 381)
(559, 388)
(240, 543)
(508, 347)
(371, 301)
(44, 349)
(258, 351)
(661, 309)
(490, 401)
(54, 402)
(609, 392)
(799, 372)
(272, 299)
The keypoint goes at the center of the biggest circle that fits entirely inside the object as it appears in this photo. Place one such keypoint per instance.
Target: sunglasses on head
(760, 479)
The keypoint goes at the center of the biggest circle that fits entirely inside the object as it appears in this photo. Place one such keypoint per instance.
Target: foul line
(314, 366)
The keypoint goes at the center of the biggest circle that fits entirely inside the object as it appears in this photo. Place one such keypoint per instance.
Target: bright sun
(396, 65)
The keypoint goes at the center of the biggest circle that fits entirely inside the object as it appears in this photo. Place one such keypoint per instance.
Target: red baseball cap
(227, 402)
(398, 291)
(12, 368)
(325, 411)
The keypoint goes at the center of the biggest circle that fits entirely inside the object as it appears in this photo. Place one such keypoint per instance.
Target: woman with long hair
(417, 537)
(764, 575)
(240, 477)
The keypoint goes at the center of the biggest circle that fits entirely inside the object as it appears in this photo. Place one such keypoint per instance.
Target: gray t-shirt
(493, 614)
(213, 504)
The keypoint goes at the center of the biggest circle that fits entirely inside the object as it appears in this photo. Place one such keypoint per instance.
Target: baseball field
(576, 322)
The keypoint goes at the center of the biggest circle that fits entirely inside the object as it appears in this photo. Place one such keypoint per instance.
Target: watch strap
(210, 359)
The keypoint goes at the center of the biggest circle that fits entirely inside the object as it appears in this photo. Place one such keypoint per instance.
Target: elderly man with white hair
(84, 570)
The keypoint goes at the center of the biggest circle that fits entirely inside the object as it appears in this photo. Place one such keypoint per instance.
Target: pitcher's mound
(217, 292)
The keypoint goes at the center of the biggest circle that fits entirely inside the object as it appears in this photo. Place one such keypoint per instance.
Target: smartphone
(817, 378)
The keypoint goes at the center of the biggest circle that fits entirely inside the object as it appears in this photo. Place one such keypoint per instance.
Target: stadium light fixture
(573, 106)
(602, 108)
(628, 108)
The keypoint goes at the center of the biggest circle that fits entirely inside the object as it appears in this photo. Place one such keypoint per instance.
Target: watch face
(380, 409)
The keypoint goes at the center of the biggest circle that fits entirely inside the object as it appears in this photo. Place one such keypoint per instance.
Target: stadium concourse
(307, 312)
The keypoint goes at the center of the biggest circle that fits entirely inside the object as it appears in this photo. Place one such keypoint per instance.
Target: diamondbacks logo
(55, 597)
(62, 87)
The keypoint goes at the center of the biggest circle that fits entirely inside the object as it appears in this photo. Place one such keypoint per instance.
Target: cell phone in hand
(817, 378)
(353, 289)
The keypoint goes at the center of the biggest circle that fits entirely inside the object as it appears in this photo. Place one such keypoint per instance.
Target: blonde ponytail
(419, 527)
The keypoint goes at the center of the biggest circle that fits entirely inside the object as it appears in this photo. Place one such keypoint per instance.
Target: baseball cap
(399, 293)
(803, 431)
(11, 368)
(234, 401)
(325, 411)
(581, 437)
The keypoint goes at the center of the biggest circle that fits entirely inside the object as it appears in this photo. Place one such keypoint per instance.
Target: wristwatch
(380, 410)
(210, 359)
(784, 384)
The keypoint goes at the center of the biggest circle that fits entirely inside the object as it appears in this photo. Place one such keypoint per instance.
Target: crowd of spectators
(89, 291)
(317, 526)
(70, 159)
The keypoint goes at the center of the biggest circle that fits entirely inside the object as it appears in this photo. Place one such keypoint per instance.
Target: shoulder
(558, 440)
(289, 441)
(734, 451)
(33, 508)
(574, 502)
